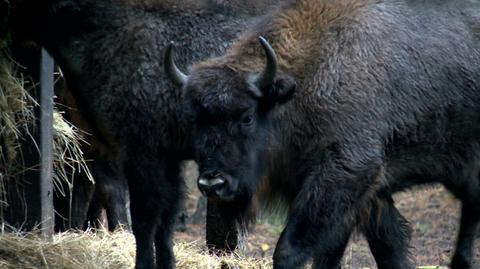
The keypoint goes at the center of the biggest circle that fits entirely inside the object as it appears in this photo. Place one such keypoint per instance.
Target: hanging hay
(88, 250)
(17, 119)
(16, 116)
(68, 157)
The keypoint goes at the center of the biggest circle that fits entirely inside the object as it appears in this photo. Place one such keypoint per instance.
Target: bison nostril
(204, 182)
(212, 181)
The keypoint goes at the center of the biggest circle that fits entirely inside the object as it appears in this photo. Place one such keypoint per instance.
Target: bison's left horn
(171, 69)
(268, 76)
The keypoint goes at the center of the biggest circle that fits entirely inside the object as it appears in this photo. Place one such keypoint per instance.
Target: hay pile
(67, 250)
(17, 118)
(192, 255)
(16, 115)
(88, 250)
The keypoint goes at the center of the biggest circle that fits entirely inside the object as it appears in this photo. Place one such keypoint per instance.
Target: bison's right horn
(268, 76)
(171, 69)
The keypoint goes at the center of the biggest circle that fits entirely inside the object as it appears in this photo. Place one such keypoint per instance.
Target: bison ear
(280, 92)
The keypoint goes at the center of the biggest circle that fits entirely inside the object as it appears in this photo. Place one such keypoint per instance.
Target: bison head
(232, 111)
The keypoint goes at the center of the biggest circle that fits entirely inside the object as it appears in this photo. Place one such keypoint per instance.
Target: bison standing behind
(358, 99)
(111, 55)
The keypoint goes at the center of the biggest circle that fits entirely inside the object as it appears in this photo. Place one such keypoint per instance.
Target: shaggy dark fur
(111, 55)
(82, 207)
(386, 95)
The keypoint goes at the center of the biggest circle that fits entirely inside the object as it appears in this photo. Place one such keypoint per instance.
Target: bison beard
(387, 96)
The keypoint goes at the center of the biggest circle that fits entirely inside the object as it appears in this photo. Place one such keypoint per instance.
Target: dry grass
(88, 250)
(17, 119)
(67, 250)
(67, 152)
(191, 255)
(16, 115)
(75, 250)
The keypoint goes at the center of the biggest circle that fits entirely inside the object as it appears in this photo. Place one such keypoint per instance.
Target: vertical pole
(30, 195)
(46, 144)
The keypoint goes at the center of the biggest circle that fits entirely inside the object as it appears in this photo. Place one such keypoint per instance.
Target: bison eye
(247, 120)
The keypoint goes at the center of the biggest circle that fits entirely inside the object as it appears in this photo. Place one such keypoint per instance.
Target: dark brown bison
(358, 99)
(111, 55)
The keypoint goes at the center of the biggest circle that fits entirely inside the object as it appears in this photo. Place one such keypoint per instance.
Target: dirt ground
(433, 214)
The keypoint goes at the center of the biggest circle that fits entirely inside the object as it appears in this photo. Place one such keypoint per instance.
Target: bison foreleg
(332, 260)
(170, 202)
(163, 242)
(324, 236)
(154, 197)
(326, 209)
(143, 228)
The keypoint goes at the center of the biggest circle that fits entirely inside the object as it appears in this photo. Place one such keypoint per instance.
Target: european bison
(111, 55)
(358, 99)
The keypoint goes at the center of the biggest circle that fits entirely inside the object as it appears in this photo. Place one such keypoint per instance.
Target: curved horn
(268, 75)
(172, 71)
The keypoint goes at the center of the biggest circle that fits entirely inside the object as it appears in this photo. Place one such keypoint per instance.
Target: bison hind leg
(388, 234)
(467, 189)
(470, 219)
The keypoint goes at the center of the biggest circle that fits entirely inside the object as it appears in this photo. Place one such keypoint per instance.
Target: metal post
(46, 143)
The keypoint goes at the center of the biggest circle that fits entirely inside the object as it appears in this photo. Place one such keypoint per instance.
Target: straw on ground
(89, 250)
